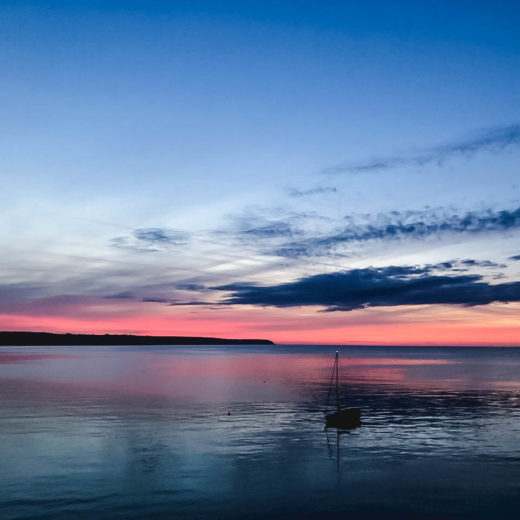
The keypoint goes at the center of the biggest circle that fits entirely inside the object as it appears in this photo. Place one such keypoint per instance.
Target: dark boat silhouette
(343, 417)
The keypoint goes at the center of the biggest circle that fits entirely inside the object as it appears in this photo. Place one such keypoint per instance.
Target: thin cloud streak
(161, 236)
(491, 140)
(274, 230)
(151, 240)
(295, 192)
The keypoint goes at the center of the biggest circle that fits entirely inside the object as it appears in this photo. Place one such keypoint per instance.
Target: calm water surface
(235, 432)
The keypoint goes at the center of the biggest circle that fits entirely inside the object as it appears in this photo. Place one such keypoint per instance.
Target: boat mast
(337, 381)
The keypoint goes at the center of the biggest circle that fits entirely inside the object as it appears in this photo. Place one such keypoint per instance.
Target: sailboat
(343, 417)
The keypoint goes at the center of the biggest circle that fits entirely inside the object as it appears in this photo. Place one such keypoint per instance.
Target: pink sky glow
(420, 325)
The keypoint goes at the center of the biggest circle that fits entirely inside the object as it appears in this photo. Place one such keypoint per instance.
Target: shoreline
(22, 339)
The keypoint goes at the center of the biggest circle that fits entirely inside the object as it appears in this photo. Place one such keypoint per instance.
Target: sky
(306, 172)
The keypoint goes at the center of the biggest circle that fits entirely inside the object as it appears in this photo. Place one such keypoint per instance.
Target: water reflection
(230, 432)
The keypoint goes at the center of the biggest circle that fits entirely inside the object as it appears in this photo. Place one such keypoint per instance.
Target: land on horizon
(20, 338)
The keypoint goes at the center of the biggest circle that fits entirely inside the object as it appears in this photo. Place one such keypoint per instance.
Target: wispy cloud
(266, 229)
(295, 192)
(21, 291)
(125, 295)
(151, 239)
(403, 225)
(161, 236)
(465, 264)
(375, 287)
(491, 140)
(153, 299)
(181, 303)
(480, 263)
(255, 224)
(273, 230)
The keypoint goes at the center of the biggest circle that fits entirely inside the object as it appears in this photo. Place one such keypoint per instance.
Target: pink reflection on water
(288, 365)
(10, 357)
(227, 375)
(281, 372)
(507, 384)
(395, 361)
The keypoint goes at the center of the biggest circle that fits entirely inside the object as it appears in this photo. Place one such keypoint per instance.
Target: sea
(222, 432)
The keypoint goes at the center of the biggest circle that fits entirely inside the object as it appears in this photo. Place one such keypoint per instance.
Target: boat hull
(345, 418)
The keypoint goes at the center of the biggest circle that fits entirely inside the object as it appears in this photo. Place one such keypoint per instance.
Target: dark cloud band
(375, 287)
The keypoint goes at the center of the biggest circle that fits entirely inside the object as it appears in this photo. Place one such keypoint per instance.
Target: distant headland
(50, 339)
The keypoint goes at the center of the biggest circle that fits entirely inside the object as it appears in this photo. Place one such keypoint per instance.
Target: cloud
(458, 265)
(125, 295)
(515, 257)
(492, 140)
(151, 239)
(480, 263)
(190, 303)
(254, 224)
(274, 230)
(161, 236)
(191, 287)
(22, 291)
(403, 225)
(175, 303)
(155, 300)
(294, 192)
(375, 287)
(268, 229)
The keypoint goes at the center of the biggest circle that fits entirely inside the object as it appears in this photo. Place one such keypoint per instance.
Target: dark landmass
(49, 339)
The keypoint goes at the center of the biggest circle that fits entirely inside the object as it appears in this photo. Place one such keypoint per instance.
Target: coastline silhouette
(49, 339)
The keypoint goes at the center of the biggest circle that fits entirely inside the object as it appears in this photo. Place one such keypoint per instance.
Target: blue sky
(151, 146)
